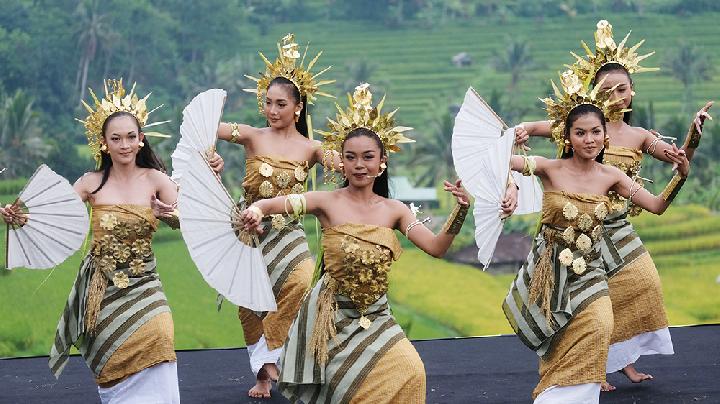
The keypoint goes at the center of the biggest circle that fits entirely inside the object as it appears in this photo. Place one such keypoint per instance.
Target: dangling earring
(103, 147)
(632, 93)
(297, 116)
(607, 141)
(140, 145)
(341, 164)
(567, 146)
(383, 166)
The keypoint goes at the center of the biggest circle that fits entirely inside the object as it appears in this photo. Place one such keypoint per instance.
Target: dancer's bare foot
(261, 389)
(268, 373)
(634, 375)
(605, 386)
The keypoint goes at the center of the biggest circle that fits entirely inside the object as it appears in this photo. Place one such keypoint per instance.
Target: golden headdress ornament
(606, 51)
(116, 99)
(286, 66)
(361, 114)
(574, 93)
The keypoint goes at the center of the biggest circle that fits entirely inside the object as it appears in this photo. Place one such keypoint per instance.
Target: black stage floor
(467, 370)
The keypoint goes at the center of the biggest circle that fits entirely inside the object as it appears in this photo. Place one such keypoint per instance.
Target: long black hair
(380, 186)
(575, 113)
(301, 125)
(616, 67)
(145, 158)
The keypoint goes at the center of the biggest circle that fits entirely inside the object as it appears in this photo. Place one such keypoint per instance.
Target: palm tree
(432, 155)
(92, 32)
(21, 145)
(516, 58)
(689, 65)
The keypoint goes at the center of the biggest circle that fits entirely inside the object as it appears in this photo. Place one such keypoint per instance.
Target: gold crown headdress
(606, 51)
(286, 66)
(116, 99)
(574, 93)
(361, 114)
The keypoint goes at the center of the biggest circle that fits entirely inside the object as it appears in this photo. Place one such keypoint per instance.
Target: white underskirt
(586, 393)
(260, 355)
(627, 352)
(157, 384)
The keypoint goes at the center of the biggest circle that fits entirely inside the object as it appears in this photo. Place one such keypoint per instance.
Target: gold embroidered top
(628, 160)
(122, 240)
(268, 177)
(358, 258)
(576, 222)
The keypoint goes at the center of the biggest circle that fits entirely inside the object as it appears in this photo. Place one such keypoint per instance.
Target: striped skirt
(570, 295)
(122, 313)
(641, 325)
(290, 268)
(353, 355)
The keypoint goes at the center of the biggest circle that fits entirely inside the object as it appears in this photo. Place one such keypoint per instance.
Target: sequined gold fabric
(358, 258)
(629, 161)
(268, 177)
(122, 237)
(577, 220)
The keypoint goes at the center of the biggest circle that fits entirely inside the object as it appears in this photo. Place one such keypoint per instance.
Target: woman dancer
(345, 345)
(558, 304)
(278, 158)
(641, 326)
(117, 314)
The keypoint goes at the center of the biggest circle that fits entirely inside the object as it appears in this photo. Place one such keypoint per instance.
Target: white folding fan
(198, 131)
(57, 223)
(236, 270)
(481, 146)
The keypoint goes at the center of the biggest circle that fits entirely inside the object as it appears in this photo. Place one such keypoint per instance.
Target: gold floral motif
(282, 180)
(568, 235)
(585, 222)
(121, 230)
(107, 264)
(266, 189)
(142, 229)
(570, 211)
(121, 280)
(584, 243)
(121, 252)
(579, 266)
(298, 189)
(566, 257)
(265, 170)
(278, 222)
(137, 266)
(368, 266)
(108, 221)
(570, 82)
(300, 173)
(601, 211)
(597, 232)
(604, 36)
(141, 248)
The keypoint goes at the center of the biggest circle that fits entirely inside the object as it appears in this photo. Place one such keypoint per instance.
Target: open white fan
(236, 270)
(481, 146)
(198, 131)
(56, 227)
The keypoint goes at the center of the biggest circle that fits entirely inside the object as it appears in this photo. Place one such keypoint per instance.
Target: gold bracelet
(530, 165)
(298, 205)
(692, 140)
(234, 133)
(173, 221)
(456, 219)
(672, 188)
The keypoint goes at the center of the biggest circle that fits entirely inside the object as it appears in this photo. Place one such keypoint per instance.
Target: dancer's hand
(251, 220)
(216, 163)
(458, 191)
(679, 159)
(509, 202)
(521, 135)
(701, 116)
(12, 214)
(161, 209)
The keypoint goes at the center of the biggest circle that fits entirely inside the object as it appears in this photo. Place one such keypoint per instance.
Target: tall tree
(21, 145)
(432, 154)
(515, 58)
(689, 65)
(92, 30)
